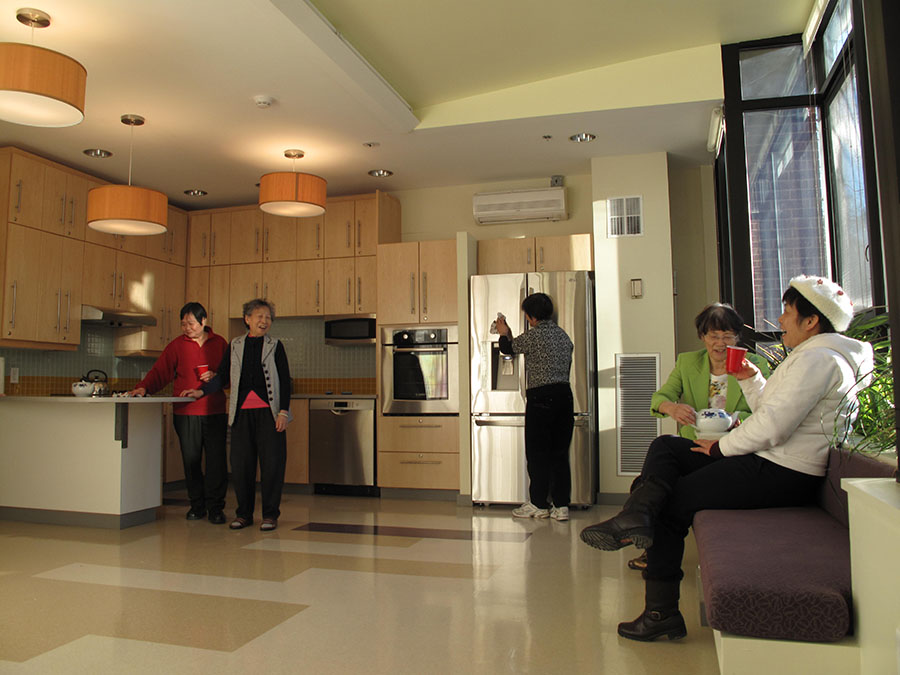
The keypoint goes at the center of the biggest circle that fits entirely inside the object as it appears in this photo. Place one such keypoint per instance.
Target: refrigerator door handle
(483, 422)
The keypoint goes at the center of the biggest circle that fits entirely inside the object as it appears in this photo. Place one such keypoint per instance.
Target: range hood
(115, 317)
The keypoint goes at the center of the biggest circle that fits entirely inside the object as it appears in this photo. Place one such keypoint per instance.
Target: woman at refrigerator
(549, 408)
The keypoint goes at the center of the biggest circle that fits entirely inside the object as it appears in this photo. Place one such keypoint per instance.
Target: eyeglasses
(727, 338)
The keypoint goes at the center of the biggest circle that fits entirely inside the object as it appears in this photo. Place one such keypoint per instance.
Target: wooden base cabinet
(297, 468)
(418, 452)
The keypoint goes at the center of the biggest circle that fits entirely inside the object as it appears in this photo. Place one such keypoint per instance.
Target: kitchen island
(94, 462)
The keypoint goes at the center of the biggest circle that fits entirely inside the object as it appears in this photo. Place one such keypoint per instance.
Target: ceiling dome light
(381, 173)
(126, 209)
(97, 153)
(196, 193)
(292, 194)
(583, 137)
(39, 87)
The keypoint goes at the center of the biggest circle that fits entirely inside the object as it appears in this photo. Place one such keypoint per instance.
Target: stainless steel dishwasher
(342, 441)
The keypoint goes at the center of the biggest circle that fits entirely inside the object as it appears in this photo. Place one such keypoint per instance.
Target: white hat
(827, 297)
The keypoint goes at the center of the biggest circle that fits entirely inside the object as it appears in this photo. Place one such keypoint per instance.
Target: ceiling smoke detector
(263, 101)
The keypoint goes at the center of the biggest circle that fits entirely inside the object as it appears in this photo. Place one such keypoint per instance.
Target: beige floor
(434, 588)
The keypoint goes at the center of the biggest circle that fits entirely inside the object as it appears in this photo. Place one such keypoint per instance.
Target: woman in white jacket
(777, 457)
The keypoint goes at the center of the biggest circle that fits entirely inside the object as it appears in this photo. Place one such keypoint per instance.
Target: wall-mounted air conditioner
(514, 206)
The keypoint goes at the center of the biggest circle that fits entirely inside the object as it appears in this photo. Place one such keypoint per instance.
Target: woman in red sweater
(189, 360)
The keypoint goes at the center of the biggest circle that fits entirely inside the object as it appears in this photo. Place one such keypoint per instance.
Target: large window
(798, 169)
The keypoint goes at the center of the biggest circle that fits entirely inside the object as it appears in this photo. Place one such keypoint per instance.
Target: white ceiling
(192, 67)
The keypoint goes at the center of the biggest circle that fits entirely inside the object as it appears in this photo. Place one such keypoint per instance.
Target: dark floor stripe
(175, 501)
(418, 532)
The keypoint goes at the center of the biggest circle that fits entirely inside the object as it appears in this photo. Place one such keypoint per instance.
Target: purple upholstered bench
(783, 573)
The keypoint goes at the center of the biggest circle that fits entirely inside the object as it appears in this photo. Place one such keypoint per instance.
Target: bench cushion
(781, 573)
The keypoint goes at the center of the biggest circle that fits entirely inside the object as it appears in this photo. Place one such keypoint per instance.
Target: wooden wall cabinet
(350, 285)
(418, 452)
(198, 239)
(310, 242)
(220, 239)
(279, 238)
(219, 294)
(21, 294)
(416, 282)
(310, 287)
(246, 236)
(170, 246)
(535, 254)
(65, 203)
(26, 191)
(355, 225)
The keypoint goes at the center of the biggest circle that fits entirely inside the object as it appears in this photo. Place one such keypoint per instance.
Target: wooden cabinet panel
(134, 287)
(219, 294)
(297, 468)
(244, 286)
(563, 253)
(154, 289)
(198, 240)
(339, 230)
(280, 286)
(177, 235)
(366, 275)
(53, 214)
(99, 279)
(418, 434)
(365, 215)
(437, 273)
(421, 470)
(22, 287)
(310, 286)
(26, 191)
(397, 285)
(197, 286)
(339, 286)
(505, 256)
(279, 238)
(220, 239)
(71, 280)
(49, 305)
(175, 299)
(246, 236)
(309, 238)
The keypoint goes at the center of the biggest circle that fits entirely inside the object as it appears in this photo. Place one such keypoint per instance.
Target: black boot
(660, 616)
(634, 523)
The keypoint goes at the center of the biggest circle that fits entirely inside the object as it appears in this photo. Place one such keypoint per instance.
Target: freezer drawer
(342, 441)
(499, 474)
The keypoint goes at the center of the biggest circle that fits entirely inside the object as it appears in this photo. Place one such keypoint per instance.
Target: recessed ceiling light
(547, 137)
(98, 153)
(381, 173)
(371, 144)
(583, 137)
(196, 193)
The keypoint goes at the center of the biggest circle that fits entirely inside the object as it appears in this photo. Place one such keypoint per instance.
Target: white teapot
(712, 422)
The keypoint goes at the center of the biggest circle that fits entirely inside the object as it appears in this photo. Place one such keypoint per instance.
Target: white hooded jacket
(796, 409)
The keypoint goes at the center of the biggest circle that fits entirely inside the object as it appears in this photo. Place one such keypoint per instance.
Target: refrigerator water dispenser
(504, 370)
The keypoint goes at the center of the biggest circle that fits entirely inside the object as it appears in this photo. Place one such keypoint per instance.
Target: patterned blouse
(547, 350)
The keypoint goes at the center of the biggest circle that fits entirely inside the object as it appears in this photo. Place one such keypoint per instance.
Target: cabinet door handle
(122, 286)
(256, 290)
(317, 237)
(420, 461)
(58, 308)
(528, 256)
(19, 196)
(541, 255)
(349, 302)
(212, 246)
(359, 292)
(420, 426)
(114, 286)
(266, 243)
(256, 250)
(412, 293)
(266, 289)
(358, 235)
(12, 320)
(68, 308)
(203, 245)
(62, 211)
(348, 236)
(72, 215)
(317, 294)
(424, 292)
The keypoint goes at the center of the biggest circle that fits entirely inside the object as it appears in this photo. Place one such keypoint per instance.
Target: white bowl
(83, 389)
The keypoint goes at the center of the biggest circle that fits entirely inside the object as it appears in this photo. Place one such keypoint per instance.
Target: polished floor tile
(345, 585)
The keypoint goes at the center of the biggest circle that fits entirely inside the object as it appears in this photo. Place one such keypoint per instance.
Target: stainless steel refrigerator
(498, 383)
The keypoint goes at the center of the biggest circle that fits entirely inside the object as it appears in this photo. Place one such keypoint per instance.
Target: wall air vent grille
(637, 378)
(625, 217)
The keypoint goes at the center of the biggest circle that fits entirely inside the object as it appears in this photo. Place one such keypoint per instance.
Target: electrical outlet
(14, 376)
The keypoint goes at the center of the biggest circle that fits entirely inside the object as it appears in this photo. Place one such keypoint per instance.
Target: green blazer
(689, 383)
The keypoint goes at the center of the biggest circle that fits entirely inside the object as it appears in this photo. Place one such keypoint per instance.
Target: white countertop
(99, 399)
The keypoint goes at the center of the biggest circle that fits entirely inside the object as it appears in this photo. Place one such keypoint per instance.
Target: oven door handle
(425, 350)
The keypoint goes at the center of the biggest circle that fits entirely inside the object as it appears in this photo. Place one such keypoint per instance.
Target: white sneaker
(561, 513)
(529, 510)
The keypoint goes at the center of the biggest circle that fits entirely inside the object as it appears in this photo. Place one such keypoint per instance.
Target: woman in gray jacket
(259, 410)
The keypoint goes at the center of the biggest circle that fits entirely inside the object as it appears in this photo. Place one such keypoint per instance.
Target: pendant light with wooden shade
(127, 209)
(292, 194)
(39, 87)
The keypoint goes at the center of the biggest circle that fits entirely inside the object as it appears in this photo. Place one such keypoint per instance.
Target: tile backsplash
(315, 366)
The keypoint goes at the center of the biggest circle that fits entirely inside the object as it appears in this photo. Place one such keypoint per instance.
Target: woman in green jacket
(699, 379)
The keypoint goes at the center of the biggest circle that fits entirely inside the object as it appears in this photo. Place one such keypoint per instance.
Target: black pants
(549, 420)
(253, 437)
(197, 433)
(700, 482)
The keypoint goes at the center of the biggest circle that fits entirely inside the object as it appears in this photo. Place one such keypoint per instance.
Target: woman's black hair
(806, 309)
(718, 316)
(256, 303)
(197, 310)
(538, 306)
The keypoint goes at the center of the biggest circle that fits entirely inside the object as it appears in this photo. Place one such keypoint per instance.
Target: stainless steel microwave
(350, 329)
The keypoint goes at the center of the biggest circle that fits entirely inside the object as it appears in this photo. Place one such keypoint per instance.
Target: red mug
(734, 359)
(201, 369)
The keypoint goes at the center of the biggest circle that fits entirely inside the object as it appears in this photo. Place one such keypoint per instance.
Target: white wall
(626, 325)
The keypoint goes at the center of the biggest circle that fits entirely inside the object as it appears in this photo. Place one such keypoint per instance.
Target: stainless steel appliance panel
(420, 370)
(583, 462)
(342, 441)
(498, 459)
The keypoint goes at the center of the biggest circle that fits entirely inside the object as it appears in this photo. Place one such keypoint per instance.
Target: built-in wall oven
(420, 370)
